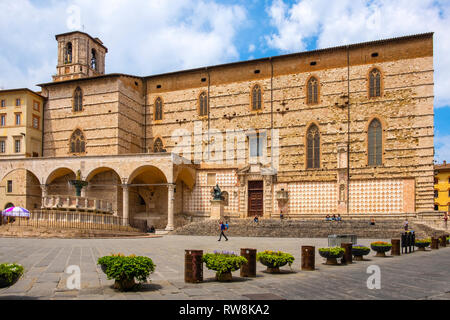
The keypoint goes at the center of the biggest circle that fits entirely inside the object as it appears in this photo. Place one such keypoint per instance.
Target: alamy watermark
(73, 282)
(374, 281)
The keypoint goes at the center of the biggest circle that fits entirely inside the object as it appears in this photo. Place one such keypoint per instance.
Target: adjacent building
(442, 187)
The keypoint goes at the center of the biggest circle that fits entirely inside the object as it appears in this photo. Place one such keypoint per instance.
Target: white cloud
(251, 48)
(143, 37)
(442, 149)
(350, 21)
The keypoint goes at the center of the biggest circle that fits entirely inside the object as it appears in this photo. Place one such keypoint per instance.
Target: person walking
(406, 225)
(223, 227)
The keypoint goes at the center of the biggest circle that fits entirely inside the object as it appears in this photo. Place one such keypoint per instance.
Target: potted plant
(359, 252)
(273, 260)
(332, 254)
(223, 263)
(381, 248)
(124, 270)
(9, 274)
(422, 243)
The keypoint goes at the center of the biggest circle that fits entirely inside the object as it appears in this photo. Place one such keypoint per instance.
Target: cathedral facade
(343, 130)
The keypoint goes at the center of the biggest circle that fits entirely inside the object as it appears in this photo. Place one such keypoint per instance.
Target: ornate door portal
(255, 198)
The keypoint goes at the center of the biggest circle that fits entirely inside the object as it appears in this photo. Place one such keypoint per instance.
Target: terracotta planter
(331, 261)
(5, 283)
(331, 258)
(224, 277)
(271, 268)
(124, 285)
(359, 254)
(381, 250)
(422, 245)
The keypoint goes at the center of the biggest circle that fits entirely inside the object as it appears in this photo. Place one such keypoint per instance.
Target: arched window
(77, 142)
(94, 60)
(375, 143)
(375, 83)
(203, 104)
(158, 146)
(158, 109)
(313, 147)
(68, 53)
(78, 100)
(313, 91)
(256, 97)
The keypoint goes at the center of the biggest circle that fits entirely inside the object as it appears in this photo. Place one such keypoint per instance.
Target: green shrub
(120, 267)
(423, 240)
(9, 273)
(360, 248)
(335, 251)
(380, 244)
(223, 262)
(275, 258)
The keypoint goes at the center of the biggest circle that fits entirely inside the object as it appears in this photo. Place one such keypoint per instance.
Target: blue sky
(148, 37)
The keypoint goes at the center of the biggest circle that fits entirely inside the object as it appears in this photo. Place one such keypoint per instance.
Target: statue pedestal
(217, 209)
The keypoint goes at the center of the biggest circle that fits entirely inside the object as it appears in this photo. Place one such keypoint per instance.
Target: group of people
(333, 218)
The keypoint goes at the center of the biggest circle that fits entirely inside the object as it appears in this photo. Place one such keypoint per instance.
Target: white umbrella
(16, 212)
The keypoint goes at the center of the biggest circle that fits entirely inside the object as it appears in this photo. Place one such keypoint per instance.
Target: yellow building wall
(30, 137)
(443, 189)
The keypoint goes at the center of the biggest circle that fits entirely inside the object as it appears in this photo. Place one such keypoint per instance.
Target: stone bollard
(193, 266)
(308, 258)
(443, 241)
(395, 250)
(347, 258)
(249, 269)
(434, 243)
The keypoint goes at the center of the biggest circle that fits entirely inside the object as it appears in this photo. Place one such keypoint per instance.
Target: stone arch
(9, 205)
(148, 174)
(58, 173)
(26, 189)
(104, 183)
(187, 176)
(99, 170)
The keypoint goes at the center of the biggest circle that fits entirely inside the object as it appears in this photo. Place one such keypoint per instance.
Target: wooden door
(255, 198)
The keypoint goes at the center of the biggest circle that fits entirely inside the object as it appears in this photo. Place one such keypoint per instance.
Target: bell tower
(79, 56)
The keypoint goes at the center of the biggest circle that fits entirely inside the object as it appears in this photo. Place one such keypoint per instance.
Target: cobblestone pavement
(420, 275)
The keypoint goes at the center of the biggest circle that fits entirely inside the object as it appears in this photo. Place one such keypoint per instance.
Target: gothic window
(77, 142)
(313, 91)
(158, 109)
(203, 104)
(375, 143)
(375, 83)
(158, 146)
(78, 100)
(94, 60)
(256, 98)
(68, 53)
(313, 147)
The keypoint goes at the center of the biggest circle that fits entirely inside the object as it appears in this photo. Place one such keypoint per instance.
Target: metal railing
(77, 220)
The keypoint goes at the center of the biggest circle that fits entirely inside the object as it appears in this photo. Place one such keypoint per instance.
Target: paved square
(420, 275)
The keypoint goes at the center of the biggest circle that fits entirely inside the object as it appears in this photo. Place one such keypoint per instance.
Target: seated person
(327, 218)
(255, 219)
(151, 229)
(333, 218)
(372, 222)
(339, 218)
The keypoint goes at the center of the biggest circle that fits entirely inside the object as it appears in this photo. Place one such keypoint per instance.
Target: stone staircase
(33, 232)
(297, 228)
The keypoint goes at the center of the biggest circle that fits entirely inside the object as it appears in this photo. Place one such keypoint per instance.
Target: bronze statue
(217, 193)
